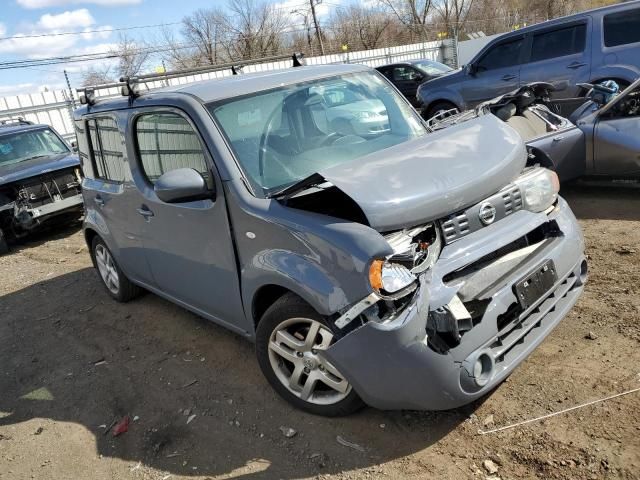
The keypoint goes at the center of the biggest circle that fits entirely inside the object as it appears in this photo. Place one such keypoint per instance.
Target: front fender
(324, 260)
(429, 96)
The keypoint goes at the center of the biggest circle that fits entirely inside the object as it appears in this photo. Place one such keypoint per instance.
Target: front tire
(116, 282)
(438, 108)
(289, 341)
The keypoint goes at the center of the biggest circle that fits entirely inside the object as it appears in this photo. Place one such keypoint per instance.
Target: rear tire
(114, 280)
(4, 246)
(288, 337)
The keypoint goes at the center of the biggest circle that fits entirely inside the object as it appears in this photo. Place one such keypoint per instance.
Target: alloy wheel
(107, 269)
(295, 355)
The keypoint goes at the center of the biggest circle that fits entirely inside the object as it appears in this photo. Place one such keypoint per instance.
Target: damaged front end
(27, 203)
(462, 300)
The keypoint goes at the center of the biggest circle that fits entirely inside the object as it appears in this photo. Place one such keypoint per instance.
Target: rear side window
(503, 55)
(166, 141)
(622, 28)
(558, 43)
(106, 149)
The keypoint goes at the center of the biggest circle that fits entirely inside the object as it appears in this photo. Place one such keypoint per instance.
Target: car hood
(428, 178)
(38, 166)
(443, 79)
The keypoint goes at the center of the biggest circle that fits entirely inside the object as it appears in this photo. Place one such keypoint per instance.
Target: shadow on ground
(603, 203)
(71, 354)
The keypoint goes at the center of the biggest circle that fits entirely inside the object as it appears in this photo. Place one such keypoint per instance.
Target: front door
(616, 146)
(188, 245)
(560, 56)
(497, 72)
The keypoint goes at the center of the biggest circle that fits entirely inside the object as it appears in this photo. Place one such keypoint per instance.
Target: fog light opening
(483, 369)
(584, 273)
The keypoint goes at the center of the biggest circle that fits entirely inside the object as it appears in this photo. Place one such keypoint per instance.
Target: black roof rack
(10, 122)
(130, 86)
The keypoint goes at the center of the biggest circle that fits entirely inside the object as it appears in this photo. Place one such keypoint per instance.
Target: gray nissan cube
(310, 210)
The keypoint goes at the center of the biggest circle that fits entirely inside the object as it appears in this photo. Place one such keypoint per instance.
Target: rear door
(108, 195)
(561, 56)
(496, 72)
(188, 245)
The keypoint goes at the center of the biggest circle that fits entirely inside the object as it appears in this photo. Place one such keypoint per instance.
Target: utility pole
(73, 100)
(315, 22)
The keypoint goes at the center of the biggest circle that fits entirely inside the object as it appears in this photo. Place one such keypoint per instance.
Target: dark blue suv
(588, 47)
(40, 179)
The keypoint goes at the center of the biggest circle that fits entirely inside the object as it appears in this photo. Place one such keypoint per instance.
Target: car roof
(236, 85)
(20, 127)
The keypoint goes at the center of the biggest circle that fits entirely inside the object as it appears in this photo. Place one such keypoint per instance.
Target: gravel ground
(73, 362)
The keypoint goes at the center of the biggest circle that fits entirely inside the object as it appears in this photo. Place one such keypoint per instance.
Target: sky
(37, 17)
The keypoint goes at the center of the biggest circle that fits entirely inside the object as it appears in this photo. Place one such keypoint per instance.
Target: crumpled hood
(428, 178)
(38, 166)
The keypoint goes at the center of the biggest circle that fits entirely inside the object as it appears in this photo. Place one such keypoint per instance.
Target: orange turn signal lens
(375, 274)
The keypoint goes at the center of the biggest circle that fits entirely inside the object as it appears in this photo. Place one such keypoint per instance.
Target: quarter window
(558, 43)
(166, 141)
(622, 28)
(106, 149)
(503, 55)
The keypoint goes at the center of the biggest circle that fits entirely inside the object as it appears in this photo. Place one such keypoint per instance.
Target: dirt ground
(72, 362)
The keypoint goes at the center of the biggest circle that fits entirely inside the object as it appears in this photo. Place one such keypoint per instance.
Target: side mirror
(74, 146)
(470, 69)
(419, 78)
(182, 185)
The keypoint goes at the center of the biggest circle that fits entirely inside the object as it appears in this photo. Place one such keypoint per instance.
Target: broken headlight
(389, 278)
(539, 189)
(414, 251)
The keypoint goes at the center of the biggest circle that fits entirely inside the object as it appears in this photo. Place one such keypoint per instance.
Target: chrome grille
(456, 226)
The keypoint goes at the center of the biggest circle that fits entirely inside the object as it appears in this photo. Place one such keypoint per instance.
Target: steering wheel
(262, 147)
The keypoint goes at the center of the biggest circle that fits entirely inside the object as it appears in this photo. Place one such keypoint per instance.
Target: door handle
(506, 78)
(145, 212)
(558, 138)
(575, 65)
(99, 201)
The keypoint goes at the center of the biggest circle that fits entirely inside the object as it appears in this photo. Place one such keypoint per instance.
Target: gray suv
(403, 269)
(588, 47)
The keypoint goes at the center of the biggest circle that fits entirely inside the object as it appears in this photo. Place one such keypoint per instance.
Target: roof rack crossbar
(128, 85)
(14, 121)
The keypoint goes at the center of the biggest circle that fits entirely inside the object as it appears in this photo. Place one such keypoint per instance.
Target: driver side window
(166, 141)
(503, 55)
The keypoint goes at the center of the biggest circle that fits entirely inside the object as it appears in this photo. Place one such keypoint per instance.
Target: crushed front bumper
(392, 366)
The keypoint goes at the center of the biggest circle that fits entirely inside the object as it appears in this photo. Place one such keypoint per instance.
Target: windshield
(283, 135)
(22, 146)
(432, 68)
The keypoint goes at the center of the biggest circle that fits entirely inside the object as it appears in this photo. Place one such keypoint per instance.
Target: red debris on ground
(121, 427)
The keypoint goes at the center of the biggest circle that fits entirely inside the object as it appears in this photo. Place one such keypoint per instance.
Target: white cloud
(28, 44)
(3, 29)
(70, 20)
(33, 4)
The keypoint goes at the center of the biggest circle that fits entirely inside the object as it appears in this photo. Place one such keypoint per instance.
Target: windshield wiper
(36, 156)
(312, 180)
